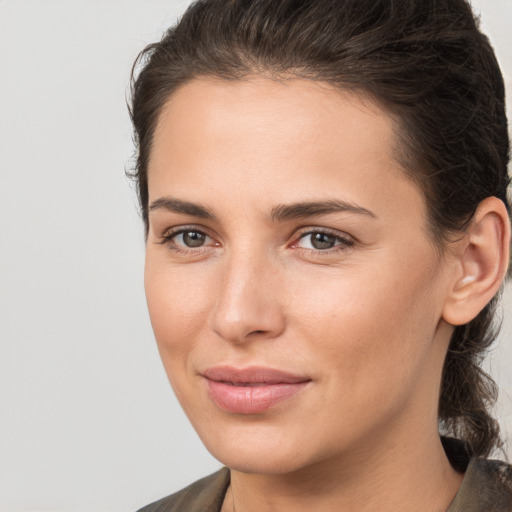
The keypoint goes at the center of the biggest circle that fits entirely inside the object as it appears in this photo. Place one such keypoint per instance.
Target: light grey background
(87, 419)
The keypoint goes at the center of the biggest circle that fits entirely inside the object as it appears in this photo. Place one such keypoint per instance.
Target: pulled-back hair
(426, 62)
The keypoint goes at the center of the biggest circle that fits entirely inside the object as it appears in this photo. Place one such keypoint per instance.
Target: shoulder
(205, 495)
(487, 486)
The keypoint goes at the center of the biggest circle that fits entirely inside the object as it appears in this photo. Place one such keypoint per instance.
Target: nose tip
(245, 327)
(247, 307)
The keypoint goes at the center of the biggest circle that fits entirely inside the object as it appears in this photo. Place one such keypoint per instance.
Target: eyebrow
(171, 204)
(281, 212)
(308, 209)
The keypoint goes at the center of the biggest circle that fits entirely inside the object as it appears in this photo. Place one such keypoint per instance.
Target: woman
(324, 190)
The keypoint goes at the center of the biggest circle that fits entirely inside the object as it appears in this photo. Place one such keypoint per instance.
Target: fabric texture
(205, 495)
(486, 487)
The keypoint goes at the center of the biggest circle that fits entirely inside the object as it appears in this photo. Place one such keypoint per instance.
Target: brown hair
(434, 71)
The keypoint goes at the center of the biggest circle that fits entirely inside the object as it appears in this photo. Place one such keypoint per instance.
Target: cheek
(373, 329)
(177, 303)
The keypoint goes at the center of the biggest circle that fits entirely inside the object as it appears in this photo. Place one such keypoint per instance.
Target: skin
(363, 320)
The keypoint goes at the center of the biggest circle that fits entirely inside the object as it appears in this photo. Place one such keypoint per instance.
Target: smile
(252, 390)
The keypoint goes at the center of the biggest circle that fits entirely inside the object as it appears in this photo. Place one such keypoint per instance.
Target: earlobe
(482, 263)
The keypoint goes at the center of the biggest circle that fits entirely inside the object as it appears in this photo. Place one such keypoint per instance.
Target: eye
(318, 240)
(190, 238)
(186, 239)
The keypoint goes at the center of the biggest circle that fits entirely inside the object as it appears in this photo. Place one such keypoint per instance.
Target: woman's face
(294, 291)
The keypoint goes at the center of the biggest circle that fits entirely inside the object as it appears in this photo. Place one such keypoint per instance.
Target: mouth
(251, 390)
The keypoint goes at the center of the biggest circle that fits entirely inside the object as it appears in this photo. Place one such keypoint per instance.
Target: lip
(251, 390)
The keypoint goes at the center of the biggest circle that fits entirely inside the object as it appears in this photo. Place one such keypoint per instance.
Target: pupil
(193, 239)
(322, 241)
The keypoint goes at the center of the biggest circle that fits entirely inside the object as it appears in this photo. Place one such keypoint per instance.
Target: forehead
(270, 140)
(291, 109)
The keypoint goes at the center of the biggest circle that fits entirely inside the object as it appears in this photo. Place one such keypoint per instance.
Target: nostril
(241, 313)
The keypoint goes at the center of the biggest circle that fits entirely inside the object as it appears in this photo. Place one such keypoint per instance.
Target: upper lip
(252, 375)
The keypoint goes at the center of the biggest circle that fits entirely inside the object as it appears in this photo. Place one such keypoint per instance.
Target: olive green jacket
(486, 487)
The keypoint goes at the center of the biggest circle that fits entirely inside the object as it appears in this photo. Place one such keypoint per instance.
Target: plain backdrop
(87, 419)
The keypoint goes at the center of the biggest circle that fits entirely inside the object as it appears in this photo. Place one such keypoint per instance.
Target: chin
(258, 463)
(258, 451)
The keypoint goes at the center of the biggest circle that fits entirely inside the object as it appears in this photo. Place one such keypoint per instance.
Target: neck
(408, 477)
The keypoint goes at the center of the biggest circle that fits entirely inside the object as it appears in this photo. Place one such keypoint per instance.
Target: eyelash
(344, 242)
(169, 236)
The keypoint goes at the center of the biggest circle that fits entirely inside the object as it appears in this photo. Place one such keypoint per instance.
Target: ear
(481, 262)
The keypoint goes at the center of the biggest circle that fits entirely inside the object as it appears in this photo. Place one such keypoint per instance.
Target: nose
(248, 304)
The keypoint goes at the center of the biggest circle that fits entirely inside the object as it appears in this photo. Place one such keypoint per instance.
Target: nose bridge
(247, 302)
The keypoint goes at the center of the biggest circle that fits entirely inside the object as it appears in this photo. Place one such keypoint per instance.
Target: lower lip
(251, 399)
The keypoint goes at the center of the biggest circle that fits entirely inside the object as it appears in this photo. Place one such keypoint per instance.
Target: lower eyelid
(314, 254)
